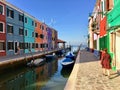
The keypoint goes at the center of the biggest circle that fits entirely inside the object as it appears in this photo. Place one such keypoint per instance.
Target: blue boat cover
(67, 60)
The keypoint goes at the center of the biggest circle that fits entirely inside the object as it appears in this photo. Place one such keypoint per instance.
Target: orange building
(38, 36)
(45, 39)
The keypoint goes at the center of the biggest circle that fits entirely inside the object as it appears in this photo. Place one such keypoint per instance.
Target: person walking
(18, 50)
(105, 62)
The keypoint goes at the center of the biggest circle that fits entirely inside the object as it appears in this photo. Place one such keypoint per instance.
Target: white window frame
(13, 46)
(3, 9)
(26, 19)
(2, 42)
(9, 14)
(3, 27)
(20, 16)
(7, 29)
(23, 31)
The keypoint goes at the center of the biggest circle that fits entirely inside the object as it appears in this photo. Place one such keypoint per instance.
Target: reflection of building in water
(22, 81)
(32, 79)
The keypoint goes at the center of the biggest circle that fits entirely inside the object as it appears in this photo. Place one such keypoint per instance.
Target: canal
(50, 76)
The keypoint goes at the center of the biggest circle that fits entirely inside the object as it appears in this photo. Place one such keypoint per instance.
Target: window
(41, 36)
(9, 29)
(36, 35)
(41, 45)
(26, 46)
(1, 27)
(32, 23)
(21, 31)
(21, 18)
(10, 13)
(33, 45)
(33, 34)
(21, 44)
(2, 45)
(35, 24)
(42, 27)
(36, 45)
(26, 33)
(1, 9)
(10, 45)
(25, 19)
(29, 46)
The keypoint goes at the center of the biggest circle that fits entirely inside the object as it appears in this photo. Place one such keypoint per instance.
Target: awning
(60, 41)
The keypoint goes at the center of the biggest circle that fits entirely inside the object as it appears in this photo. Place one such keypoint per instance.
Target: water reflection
(28, 79)
(65, 72)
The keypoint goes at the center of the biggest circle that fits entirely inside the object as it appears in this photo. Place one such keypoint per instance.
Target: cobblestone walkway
(89, 75)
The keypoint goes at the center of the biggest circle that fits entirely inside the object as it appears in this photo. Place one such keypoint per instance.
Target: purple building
(49, 32)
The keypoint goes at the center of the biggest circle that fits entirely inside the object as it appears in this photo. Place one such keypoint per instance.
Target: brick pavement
(89, 75)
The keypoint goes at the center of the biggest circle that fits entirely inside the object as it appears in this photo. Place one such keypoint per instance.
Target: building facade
(49, 30)
(45, 38)
(20, 29)
(2, 29)
(38, 36)
(114, 32)
(14, 29)
(29, 33)
(109, 29)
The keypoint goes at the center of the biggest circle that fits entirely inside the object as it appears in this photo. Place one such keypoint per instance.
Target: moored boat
(67, 62)
(36, 62)
(71, 56)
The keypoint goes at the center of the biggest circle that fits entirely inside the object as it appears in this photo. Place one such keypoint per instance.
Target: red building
(103, 27)
(2, 29)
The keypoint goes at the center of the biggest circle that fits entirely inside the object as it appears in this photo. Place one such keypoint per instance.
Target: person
(18, 50)
(101, 52)
(105, 62)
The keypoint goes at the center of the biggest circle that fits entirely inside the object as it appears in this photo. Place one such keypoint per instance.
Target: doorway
(117, 51)
(15, 46)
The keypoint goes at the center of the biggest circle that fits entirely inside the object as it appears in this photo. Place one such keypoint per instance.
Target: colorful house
(45, 38)
(14, 29)
(38, 36)
(18, 28)
(49, 30)
(29, 33)
(2, 29)
(114, 32)
(54, 39)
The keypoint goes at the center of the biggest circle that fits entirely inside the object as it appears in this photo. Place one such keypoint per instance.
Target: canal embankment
(8, 62)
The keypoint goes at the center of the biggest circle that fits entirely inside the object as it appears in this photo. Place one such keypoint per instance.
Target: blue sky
(68, 17)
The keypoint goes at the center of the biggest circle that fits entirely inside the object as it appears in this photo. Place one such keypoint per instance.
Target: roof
(60, 41)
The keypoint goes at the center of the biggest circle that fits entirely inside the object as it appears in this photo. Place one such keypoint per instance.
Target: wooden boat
(36, 62)
(67, 62)
(71, 56)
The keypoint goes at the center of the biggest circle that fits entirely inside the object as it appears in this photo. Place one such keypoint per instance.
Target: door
(16, 44)
(117, 50)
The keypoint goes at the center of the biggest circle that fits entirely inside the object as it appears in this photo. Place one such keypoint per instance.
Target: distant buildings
(104, 29)
(18, 28)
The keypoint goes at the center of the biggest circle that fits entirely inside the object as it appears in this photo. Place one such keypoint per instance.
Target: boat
(67, 62)
(50, 57)
(71, 56)
(36, 62)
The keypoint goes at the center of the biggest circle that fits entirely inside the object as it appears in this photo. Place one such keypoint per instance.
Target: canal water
(50, 76)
